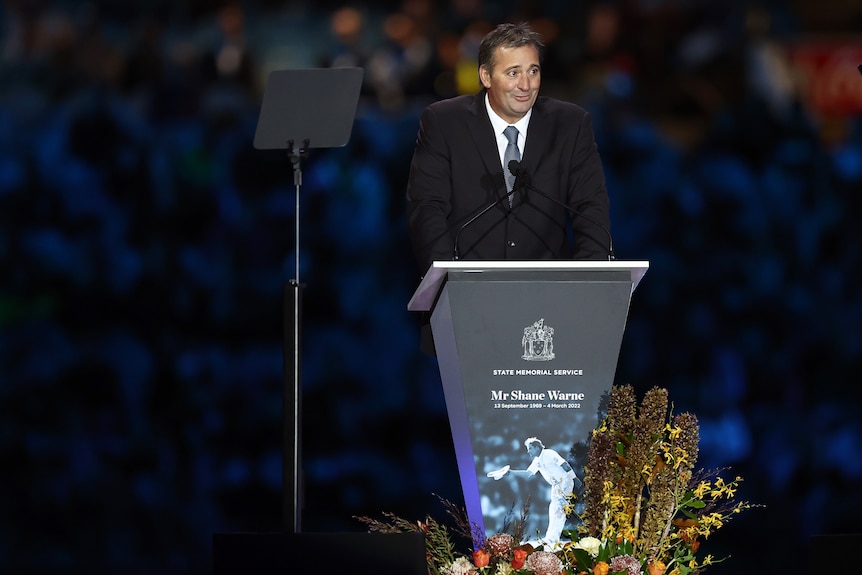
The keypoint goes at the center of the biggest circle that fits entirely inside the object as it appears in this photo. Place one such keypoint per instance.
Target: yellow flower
(718, 489)
(714, 520)
(681, 456)
(702, 489)
(647, 473)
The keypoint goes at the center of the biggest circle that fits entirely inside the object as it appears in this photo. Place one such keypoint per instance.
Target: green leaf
(604, 554)
(585, 562)
(626, 547)
(691, 500)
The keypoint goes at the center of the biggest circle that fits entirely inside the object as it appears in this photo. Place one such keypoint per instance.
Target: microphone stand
(479, 214)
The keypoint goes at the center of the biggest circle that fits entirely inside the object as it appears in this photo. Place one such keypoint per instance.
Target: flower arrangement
(646, 509)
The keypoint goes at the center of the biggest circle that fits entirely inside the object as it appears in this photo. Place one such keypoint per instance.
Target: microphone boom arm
(521, 178)
(479, 214)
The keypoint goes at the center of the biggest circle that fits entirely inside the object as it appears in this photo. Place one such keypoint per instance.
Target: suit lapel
(485, 140)
(539, 137)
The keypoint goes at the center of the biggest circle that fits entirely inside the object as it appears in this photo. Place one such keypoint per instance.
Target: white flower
(590, 545)
(461, 566)
(504, 568)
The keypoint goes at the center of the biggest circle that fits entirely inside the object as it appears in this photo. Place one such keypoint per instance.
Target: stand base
(319, 553)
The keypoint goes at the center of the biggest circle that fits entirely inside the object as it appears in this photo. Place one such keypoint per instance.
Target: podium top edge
(478, 266)
(424, 296)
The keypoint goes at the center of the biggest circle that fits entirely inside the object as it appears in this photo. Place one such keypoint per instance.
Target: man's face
(513, 85)
(534, 450)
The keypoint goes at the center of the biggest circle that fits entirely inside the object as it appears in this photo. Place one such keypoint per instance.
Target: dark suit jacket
(456, 172)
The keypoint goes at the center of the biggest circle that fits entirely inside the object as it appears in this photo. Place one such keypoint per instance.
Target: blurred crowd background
(145, 245)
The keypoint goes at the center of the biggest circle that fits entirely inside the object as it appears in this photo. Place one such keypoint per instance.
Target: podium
(526, 350)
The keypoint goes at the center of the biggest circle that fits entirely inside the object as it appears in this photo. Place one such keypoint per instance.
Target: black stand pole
(291, 469)
(292, 396)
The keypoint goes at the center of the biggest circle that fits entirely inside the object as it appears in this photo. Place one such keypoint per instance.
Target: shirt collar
(499, 124)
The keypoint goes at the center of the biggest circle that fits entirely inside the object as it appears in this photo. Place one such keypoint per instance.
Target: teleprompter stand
(304, 109)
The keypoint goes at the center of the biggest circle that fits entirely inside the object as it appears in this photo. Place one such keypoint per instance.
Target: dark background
(145, 244)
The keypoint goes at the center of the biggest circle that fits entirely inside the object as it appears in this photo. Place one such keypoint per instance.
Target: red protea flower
(500, 545)
(544, 563)
(626, 563)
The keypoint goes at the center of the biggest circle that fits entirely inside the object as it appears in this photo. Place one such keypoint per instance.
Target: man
(559, 475)
(460, 165)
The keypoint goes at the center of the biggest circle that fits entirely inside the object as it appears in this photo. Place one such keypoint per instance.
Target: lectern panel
(526, 356)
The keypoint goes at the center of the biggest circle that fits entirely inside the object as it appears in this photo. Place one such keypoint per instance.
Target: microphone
(479, 214)
(522, 177)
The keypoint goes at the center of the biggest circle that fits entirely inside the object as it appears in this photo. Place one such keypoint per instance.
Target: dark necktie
(512, 153)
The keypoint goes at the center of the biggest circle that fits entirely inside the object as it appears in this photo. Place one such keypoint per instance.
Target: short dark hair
(531, 441)
(508, 36)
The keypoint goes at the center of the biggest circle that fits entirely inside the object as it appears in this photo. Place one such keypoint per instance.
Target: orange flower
(656, 568)
(520, 558)
(601, 568)
(685, 536)
(691, 540)
(481, 558)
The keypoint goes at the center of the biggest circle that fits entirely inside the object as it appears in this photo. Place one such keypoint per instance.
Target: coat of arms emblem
(538, 342)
